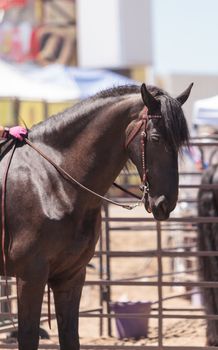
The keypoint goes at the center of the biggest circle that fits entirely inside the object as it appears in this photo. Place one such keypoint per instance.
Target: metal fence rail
(105, 282)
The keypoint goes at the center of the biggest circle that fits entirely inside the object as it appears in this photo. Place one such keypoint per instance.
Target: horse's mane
(117, 91)
(175, 124)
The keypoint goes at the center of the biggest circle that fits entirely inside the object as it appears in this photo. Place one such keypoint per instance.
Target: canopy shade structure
(55, 82)
(45, 91)
(88, 81)
(205, 112)
(15, 82)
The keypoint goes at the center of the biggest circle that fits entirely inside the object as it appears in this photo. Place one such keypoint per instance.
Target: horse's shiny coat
(53, 225)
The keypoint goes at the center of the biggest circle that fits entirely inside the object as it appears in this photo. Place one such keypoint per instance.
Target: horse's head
(154, 148)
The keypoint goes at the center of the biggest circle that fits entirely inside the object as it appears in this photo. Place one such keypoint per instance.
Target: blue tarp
(93, 81)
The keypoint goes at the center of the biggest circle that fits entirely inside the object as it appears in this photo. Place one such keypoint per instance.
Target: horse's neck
(93, 150)
(103, 154)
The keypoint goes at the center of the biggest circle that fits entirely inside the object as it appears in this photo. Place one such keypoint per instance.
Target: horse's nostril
(161, 205)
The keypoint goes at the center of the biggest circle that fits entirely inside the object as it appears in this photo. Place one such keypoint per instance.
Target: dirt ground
(176, 332)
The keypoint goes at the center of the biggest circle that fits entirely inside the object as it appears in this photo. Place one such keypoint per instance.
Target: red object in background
(34, 44)
(7, 4)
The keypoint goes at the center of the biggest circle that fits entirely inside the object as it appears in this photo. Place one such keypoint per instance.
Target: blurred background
(56, 52)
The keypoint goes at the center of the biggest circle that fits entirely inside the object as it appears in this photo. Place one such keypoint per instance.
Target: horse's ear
(184, 95)
(149, 100)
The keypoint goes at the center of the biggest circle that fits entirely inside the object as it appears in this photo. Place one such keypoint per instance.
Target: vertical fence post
(160, 291)
(101, 277)
(108, 270)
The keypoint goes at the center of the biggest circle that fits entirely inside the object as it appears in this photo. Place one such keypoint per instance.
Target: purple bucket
(131, 327)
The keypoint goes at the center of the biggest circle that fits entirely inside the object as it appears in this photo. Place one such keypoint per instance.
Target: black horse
(208, 241)
(52, 223)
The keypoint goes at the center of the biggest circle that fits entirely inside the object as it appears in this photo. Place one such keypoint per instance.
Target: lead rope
(3, 206)
(144, 188)
(73, 180)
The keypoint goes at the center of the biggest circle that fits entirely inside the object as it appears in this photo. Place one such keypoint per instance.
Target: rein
(143, 119)
(73, 180)
(140, 124)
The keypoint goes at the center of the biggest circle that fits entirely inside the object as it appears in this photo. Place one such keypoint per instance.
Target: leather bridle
(141, 124)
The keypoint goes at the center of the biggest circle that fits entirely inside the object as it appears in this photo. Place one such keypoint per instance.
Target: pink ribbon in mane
(17, 132)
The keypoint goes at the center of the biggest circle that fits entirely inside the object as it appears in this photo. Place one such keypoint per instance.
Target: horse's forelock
(177, 133)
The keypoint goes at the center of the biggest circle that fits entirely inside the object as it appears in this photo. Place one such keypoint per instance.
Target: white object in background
(205, 112)
(113, 33)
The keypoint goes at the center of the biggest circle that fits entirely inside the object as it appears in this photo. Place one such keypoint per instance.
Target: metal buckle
(145, 191)
(144, 188)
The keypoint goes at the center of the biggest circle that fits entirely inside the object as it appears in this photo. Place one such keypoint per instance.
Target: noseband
(142, 122)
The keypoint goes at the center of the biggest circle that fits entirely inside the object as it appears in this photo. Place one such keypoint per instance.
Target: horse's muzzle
(160, 208)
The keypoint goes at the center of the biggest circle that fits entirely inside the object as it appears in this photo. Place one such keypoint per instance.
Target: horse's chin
(160, 216)
(147, 205)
